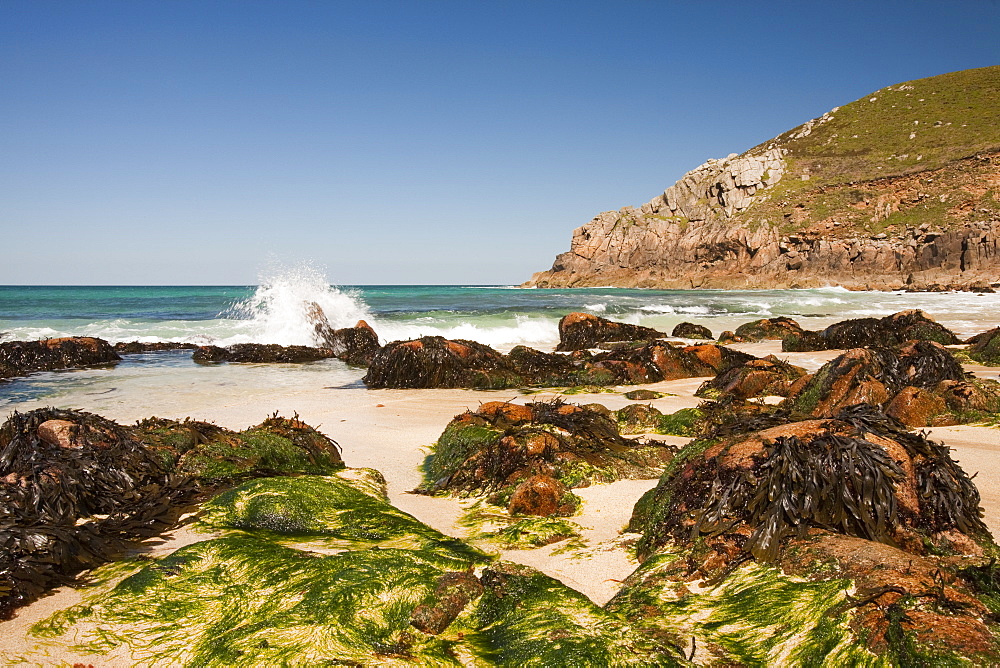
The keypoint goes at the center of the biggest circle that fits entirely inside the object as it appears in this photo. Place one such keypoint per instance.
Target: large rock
(985, 347)
(755, 378)
(355, 345)
(18, 358)
(875, 376)
(133, 347)
(433, 361)
(517, 454)
(891, 330)
(768, 328)
(579, 331)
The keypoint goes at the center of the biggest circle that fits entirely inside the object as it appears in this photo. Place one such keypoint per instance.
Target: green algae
(528, 618)
(758, 616)
(241, 600)
(458, 442)
(680, 423)
(533, 532)
(333, 511)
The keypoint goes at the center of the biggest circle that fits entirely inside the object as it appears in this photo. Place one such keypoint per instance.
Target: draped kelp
(77, 489)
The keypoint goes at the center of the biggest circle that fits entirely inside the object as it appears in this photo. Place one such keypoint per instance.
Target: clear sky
(190, 142)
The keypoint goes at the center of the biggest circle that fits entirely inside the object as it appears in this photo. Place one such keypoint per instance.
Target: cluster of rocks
(529, 457)
(632, 355)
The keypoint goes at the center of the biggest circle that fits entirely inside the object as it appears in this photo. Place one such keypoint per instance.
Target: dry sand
(390, 430)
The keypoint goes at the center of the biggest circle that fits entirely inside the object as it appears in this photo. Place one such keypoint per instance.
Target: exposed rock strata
(896, 190)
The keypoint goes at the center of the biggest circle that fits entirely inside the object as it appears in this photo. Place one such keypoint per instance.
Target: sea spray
(278, 311)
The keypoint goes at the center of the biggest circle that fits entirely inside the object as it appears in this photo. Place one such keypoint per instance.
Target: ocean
(275, 312)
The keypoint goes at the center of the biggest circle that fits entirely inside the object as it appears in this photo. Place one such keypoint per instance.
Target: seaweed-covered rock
(260, 353)
(544, 369)
(214, 455)
(579, 331)
(876, 530)
(689, 330)
(917, 407)
(355, 345)
(540, 495)
(18, 358)
(754, 378)
(659, 360)
(433, 361)
(494, 450)
(860, 474)
(891, 330)
(875, 376)
(803, 342)
(133, 347)
(768, 328)
(638, 419)
(74, 489)
(985, 348)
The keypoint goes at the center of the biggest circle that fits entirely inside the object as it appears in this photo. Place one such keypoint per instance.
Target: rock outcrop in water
(900, 189)
(18, 358)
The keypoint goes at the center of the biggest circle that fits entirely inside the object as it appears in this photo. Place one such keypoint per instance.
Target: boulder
(643, 395)
(580, 331)
(769, 328)
(18, 358)
(540, 495)
(453, 591)
(916, 407)
(858, 474)
(803, 342)
(755, 378)
(659, 360)
(891, 330)
(985, 347)
(355, 345)
(875, 376)
(687, 330)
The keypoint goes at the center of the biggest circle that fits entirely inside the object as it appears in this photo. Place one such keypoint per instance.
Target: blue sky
(182, 142)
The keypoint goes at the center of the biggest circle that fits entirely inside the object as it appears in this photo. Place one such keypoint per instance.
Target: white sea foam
(277, 312)
(529, 331)
(599, 307)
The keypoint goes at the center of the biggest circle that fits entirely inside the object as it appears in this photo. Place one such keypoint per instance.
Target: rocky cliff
(900, 189)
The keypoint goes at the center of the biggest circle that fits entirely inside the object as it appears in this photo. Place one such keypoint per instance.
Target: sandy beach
(390, 430)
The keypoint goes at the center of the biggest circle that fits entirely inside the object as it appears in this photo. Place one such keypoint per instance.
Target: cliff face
(902, 193)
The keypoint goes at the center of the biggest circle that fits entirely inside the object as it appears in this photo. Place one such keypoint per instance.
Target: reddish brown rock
(754, 378)
(770, 328)
(916, 407)
(540, 495)
(59, 433)
(452, 593)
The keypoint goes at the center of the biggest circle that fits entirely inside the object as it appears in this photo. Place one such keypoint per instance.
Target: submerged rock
(18, 358)
(355, 345)
(580, 331)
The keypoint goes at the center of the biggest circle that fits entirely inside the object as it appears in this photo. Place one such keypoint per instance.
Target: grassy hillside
(919, 152)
